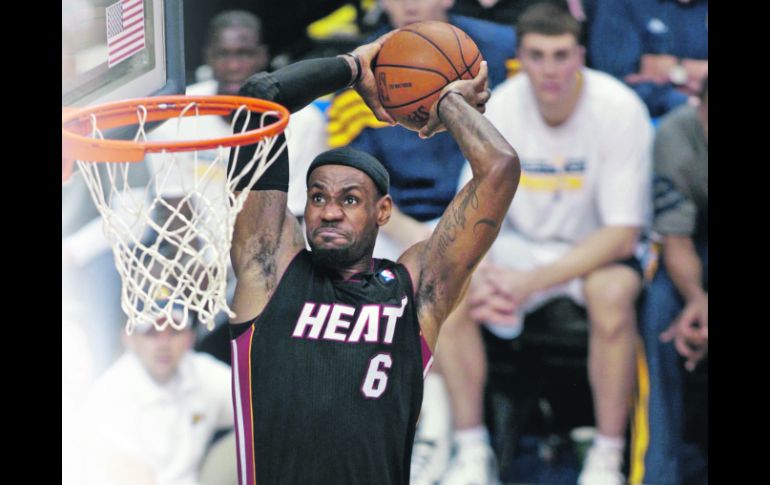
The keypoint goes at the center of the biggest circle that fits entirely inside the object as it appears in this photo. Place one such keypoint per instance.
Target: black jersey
(327, 381)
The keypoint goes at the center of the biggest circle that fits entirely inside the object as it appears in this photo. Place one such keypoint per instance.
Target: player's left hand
(475, 92)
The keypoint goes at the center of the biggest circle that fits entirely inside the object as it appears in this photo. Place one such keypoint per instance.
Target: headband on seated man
(357, 159)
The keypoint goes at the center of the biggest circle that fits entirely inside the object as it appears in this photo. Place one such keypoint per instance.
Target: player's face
(552, 63)
(404, 12)
(234, 55)
(342, 215)
(161, 352)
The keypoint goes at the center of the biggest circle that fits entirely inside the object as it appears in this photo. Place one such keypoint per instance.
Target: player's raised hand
(475, 91)
(367, 85)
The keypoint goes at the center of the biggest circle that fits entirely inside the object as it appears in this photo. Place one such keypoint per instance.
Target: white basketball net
(173, 252)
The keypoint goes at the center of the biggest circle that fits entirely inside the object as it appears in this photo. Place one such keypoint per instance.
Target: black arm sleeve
(277, 176)
(297, 85)
(294, 86)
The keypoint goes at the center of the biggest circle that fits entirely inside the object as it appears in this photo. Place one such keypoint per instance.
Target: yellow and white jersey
(594, 170)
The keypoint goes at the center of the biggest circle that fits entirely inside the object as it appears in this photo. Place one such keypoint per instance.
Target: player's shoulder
(388, 272)
(389, 265)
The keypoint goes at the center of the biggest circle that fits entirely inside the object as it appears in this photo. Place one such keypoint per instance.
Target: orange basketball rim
(78, 124)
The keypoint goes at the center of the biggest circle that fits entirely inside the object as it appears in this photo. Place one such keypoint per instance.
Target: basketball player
(330, 345)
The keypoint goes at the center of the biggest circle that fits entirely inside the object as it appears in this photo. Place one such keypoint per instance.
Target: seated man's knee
(611, 293)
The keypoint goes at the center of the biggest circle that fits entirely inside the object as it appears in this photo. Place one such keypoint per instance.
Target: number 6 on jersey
(376, 380)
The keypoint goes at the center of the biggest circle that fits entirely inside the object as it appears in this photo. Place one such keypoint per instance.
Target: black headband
(356, 159)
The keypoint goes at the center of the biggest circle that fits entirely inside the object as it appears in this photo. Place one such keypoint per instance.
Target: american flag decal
(125, 30)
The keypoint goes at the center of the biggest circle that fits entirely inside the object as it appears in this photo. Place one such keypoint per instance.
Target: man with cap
(152, 415)
(330, 345)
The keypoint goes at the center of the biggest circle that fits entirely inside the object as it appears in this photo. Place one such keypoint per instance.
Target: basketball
(415, 64)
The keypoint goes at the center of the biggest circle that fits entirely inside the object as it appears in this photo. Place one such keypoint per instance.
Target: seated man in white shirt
(150, 418)
(584, 140)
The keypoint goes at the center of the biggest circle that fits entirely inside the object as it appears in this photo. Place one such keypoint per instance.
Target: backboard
(121, 49)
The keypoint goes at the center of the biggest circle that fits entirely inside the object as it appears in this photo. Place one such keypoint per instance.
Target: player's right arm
(267, 236)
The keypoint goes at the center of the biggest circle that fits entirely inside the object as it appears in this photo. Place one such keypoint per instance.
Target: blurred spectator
(76, 378)
(151, 416)
(234, 51)
(423, 180)
(508, 11)
(676, 305)
(584, 140)
(284, 24)
(658, 47)
(503, 11)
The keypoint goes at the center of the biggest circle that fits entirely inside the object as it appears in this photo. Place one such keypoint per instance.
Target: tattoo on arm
(488, 222)
(472, 263)
(446, 233)
(485, 222)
